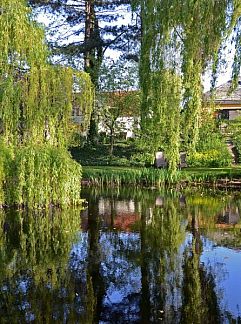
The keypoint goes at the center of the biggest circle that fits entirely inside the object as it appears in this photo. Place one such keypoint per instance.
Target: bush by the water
(141, 159)
(38, 176)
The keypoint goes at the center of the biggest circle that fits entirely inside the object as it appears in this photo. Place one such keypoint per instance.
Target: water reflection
(141, 257)
(35, 284)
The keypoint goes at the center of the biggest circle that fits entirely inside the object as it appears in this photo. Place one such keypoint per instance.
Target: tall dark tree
(92, 26)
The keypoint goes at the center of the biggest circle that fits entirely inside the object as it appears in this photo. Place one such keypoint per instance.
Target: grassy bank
(117, 176)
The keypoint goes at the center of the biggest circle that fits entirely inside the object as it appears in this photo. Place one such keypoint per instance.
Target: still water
(132, 256)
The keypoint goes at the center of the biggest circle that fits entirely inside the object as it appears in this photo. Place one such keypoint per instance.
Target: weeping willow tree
(179, 40)
(35, 112)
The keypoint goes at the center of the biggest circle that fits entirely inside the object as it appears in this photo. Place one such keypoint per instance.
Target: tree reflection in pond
(200, 301)
(138, 259)
(34, 281)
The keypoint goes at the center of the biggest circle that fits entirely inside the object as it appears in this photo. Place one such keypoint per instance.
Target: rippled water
(132, 256)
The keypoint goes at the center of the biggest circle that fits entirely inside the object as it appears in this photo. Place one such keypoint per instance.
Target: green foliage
(211, 149)
(39, 176)
(210, 136)
(38, 107)
(178, 36)
(210, 158)
(36, 102)
(160, 114)
(6, 158)
(118, 161)
(142, 159)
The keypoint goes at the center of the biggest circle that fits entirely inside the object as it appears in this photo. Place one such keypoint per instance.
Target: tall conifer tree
(95, 27)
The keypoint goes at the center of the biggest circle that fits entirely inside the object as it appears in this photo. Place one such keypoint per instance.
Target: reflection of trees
(145, 275)
(216, 214)
(200, 302)
(95, 282)
(151, 257)
(162, 233)
(111, 263)
(145, 305)
(120, 193)
(34, 283)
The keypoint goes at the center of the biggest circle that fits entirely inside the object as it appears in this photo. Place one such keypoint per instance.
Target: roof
(224, 96)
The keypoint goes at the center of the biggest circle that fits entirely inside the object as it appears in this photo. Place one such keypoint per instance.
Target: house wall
(125, 125)
(233, 114)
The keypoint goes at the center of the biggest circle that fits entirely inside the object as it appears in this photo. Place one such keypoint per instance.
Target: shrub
(211, 148)
(210, 158)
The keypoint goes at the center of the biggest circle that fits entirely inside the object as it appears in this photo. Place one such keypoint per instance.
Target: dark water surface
(133, 256)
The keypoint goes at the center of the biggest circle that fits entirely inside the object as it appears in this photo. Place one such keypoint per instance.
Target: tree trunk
(92, 58)
(111, 141)
(89, 33)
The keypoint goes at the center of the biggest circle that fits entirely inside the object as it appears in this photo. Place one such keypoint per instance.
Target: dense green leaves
(36, 102)
(179, 39)
(39, 176)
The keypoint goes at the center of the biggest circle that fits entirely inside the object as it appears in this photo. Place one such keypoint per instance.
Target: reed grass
(150, 177)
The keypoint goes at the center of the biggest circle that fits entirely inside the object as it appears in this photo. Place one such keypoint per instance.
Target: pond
(131, 256)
